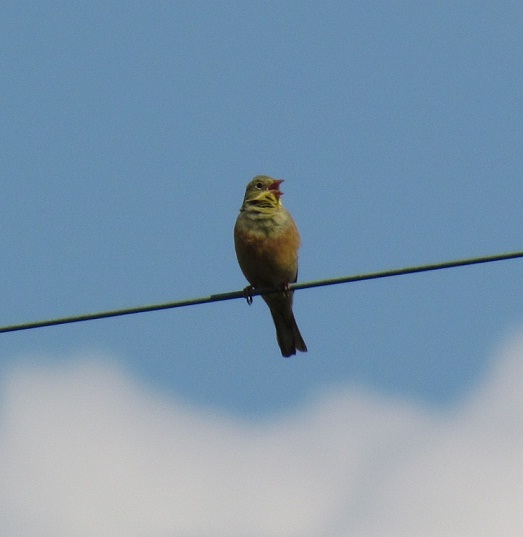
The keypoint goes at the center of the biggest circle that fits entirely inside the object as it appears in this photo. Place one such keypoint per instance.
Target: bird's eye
(259, 185)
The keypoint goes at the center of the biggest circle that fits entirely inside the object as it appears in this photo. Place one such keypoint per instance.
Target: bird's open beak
(275, 186)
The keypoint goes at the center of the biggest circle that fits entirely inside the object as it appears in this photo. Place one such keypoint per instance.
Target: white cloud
(85, 451)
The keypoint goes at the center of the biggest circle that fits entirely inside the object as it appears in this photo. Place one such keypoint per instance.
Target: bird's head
(263, 193)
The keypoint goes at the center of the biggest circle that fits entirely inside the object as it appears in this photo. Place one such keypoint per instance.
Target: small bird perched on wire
(266, 240)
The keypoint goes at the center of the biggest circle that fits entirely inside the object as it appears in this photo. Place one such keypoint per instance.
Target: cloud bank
(86, 451)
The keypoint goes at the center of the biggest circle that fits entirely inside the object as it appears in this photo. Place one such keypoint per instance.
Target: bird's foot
(247, 293)
(286, 289)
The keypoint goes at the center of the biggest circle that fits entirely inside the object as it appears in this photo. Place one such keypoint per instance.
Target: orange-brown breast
(267, 260)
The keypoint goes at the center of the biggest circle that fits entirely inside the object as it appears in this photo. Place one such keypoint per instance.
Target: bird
(266, 241)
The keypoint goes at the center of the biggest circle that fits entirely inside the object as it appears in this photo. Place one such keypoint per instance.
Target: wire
(255, 292)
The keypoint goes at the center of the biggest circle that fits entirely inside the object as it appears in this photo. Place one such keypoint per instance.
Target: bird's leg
(247, 293)
(286, 289)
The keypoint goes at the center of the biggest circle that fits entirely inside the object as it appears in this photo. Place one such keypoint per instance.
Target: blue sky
(129, 131)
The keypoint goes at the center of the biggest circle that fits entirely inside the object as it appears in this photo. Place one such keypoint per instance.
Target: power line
(255, 292)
